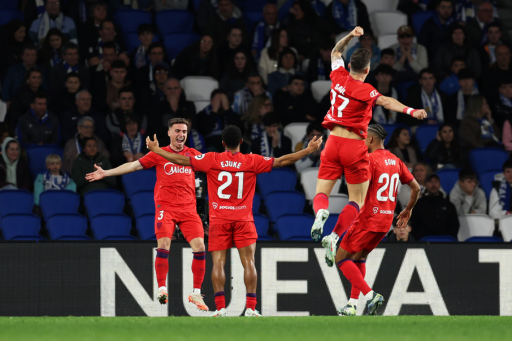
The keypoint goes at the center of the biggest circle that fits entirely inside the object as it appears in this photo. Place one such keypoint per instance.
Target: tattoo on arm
(340, 47)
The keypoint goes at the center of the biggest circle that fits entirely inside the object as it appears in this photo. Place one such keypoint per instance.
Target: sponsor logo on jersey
(386, 212)
(170, 169)
(232, 208)
(214, 204)
(199, 157)
(373, 93)
(375, 209)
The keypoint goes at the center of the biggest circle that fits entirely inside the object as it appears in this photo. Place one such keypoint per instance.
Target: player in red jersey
(345, 151)
(231, 184)
(175, 204)
(375, 219)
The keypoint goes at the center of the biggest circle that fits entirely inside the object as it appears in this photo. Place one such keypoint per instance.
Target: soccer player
(231, 184)
(345, 151)
(375, 218)
(175, 204)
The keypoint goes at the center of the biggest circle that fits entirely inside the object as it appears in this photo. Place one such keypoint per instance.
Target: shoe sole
(330, 254)
(199, 307)
(163, 299)
(372, 310)
(318, 226)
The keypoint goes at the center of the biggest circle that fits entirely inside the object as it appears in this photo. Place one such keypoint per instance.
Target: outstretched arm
(405, 215)
(392, 104)
(100, 173)
(288, 159)
(337, 51)
(174, 158)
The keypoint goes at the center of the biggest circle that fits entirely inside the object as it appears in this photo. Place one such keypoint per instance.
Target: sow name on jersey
(390, 162)
(233, 164)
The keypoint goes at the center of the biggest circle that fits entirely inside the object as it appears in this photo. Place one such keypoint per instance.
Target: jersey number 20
(342, 106)
(391, 183)
(229, 180)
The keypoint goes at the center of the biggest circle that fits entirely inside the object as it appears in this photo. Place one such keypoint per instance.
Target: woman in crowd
(17, 168)
(444, 152)
(54, 178)
(286, 67)
(199, 59)
(478, 128)
(13, 38)
(20, 103)
(50, 53)
(236, 75)
(253, 118)
(399, 144)
(270, 55)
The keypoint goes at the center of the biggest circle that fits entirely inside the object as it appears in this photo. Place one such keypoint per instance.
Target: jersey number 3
(342, 106)
(229, 180)
(391, 183)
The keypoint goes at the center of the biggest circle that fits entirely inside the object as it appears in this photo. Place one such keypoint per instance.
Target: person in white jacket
(499, 201)
(467, 197)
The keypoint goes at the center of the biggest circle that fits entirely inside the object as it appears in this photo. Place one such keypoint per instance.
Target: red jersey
(231, 183)
(352, 101)
(175, 186)
(379, 206)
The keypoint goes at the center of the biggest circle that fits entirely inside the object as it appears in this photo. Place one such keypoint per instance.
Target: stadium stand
(475, 225)
(279, 203)
(112, 227)
(16, 202)
(448, 178)
(21, 227)
(67, 227)
(278, 180)
(487, 159)
(146, 227)
(295, 227)
(143, 203)
(262, 226)
(58, 202)
(105, 201)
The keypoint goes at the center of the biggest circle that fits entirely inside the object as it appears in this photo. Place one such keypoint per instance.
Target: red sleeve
(202, 162)
(148, 160)
(262, 164)
(366, 93)
(405, 176)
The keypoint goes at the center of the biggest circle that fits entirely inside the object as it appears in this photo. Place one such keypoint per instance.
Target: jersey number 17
(342, 106)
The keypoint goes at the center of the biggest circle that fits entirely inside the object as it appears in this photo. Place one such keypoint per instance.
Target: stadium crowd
(73, 77)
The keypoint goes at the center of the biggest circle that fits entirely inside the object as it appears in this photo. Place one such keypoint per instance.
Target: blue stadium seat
(16, 201)
(143, 202)
(173, 20)
(492, 239)
(486, 180)
(21, 227)
(146, 227)
(9, 4)
(419, 18)
(129, 20)
(438, 239)
(112, 227)
(37, 158)
(329, 224)
(251, 18)
(390, 128)
(403, 87)
(425, 134)
(58, 202)
(143, 180)
(7, 15)
(103, 201)
(294, 227)
(251, 5)
(279, 203)
(256, 203)
(448, 178)
(486, 159)
(261, 222)
(131, 40)
(283, 179)
(67, 227)
(174, 43)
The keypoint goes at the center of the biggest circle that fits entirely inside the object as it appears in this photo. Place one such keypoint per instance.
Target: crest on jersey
(199, 157)
(214, 204)
(375, 209)
(373, 93)
(158, 225)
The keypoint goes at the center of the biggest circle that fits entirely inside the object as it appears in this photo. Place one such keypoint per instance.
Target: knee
(164, 243)
(197, 245)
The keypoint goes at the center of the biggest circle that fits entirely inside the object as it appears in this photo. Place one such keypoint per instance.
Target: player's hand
(97, 175)
(419, 114)
(357, 32)
(403, 218)
(314, 144)
(152, 145)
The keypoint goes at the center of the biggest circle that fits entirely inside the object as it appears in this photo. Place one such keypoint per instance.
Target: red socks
(353, 274)
(251, 301)
(198, 268)
(161, 266)
(320, 201)
(346, 218)
(220, 300)
(361, 265)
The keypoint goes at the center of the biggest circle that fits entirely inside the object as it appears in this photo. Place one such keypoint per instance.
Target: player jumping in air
(175, 204)
(376, 216)
(231, 184)
(345, 151)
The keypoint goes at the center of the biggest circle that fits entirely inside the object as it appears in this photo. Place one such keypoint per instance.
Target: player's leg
(218, 280)
(162, 267)
(250, 278)
(350, 308)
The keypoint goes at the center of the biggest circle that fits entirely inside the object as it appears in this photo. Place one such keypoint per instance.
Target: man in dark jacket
(434, 215)
(219, 24)
(433, 33)
(37, 126)
(296, 104)
(144, 75)
(476, 29)
(69, 64)
(271, 142)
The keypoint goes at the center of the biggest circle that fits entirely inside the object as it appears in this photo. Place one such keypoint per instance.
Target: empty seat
(279, 203)
(256, 203)
(131, 40)
(37, 158)
(174, 43)
(337, 203)
(486, 159)
(7, 15)
(58, 202)
(438, 239)
(21, 227)
(200, 105)
(199, 88)
(295, 132)
(67, 227)
(171, 21)
(16, 201)
(261, 223)
(387, 40)
(129, 20)
(112, 227)
(329, 224)
(449, 178)
(252, 18)
(475, 225)
(320, 89)
(425, 134)
(294, 227)
(142, 203)
(9, 4)
(104, 201)
(403, 87)
(143, 180)
(283, 179)
(419, 18)
(486, 180)
(380, 6)
(387, 22)
(308, 179)
(146, 227)
(491, 239)
(506, 227)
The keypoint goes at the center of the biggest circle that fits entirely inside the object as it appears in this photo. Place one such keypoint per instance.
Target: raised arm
(288, 159)
(392, 104)
(405, 215)
(100, 173)
(337, 51)
(173, 157)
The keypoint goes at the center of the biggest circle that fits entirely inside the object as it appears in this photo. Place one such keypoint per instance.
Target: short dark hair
(39, 95)
(130, 117)
(69, 46)
(271, 118)
(252, 75)
(507, 164)
(178, 120)
(106, 21)
(143, 28)
(360, 60)
(378, 131)
(427, 70)
(71, 75)
(28, 46)
(154, 46)
(234, 27)
(231, 136)
(493, 24)
(505, 80)
(296, 77)
(110, 45)
(385, 69)
(118, 64)
(466, 73)
(467, 173)
(285, 51)
(387, 51)
(125, 89)
(458, 59)
(217, 91)
(314, 126)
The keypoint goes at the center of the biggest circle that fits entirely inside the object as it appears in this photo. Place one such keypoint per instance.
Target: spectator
(500, 69)
(286, 68)
(235, 78)
(434, 215)
(399, 144)
(219, 24)
(52, 17)
(366, 41)
(467, 197)
(69, 64)
(319, 67)
(456, 46)
(174, 104)
(411, 57)
(3, 182)
(465, 10)
(64, 100)
(160, 5)
(253, 118)
(304, 28)
(421, 171)
(94, 52)
(11, 47)
(89, 31)
(227, 50)
(387, 57)
(488, 50)
(25, 95)
(444, 151)
(16, 167)
(207, 9)
(144, 75)
(155, 92)
(313, 130)
(476, 27)
(118, 74)
(384, 77)
(75, 146)
(433, 33)
(458, 101)
(52, 47)
(478, 128)
(503, 109)
(499, 200)
(263, 29)
(198, 59)
(54, 178)
(100, 74)
(253, 87)
(130, 144)
(271, 142)
(84, 164)
(37, 126)
(212, 119)
(401, 234)
(81, 109)
(296, 104)
(451, 84)
(126, 101)
(140, 57)
(345, 15)
(270, 55)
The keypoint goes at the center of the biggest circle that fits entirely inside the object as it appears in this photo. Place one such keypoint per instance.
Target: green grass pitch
(414, 328)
